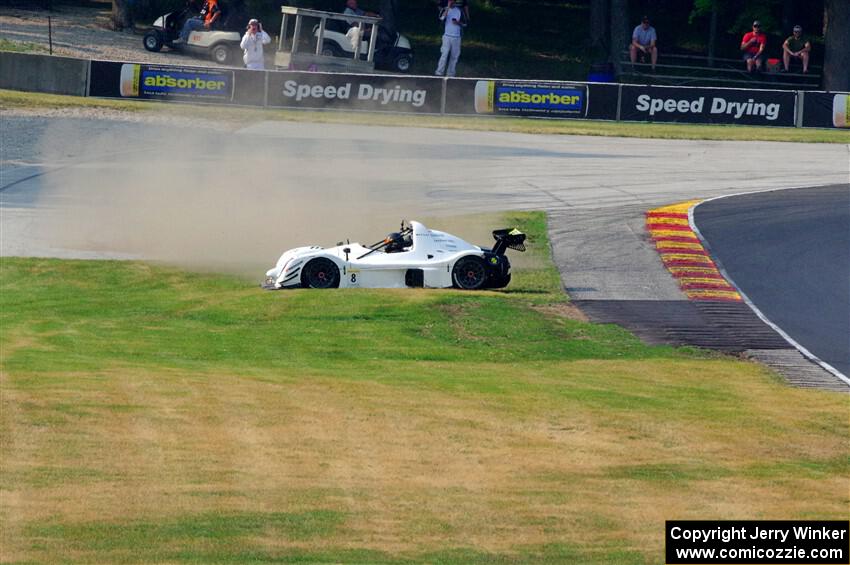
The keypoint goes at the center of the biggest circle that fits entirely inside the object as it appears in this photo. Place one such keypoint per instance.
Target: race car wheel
(320, 273)
(220, 54)
(152, 41)
(470, 273)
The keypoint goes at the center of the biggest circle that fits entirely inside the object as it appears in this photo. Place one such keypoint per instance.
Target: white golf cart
(221, 44)
(340, 45)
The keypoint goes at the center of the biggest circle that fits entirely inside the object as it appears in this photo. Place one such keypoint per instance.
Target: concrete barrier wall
(43, 73)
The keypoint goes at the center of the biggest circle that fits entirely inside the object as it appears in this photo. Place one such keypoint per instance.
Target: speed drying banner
(516, 98)
(826, 110)
(708, 105)
(294, 89)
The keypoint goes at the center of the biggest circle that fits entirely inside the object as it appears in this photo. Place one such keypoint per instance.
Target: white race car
(415, 256)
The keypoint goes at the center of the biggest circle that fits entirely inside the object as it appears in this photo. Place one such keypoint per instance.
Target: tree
(389, 13)
(619, 30)
(598, 27)
(122, 14)
(836, 63)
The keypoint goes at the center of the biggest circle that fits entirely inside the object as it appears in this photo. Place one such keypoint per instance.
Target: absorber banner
(133, 80)
(516, 97)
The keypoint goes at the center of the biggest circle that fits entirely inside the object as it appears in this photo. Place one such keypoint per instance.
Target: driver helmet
(395, 242)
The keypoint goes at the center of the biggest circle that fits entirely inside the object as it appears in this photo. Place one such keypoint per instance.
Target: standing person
(252, 43)
(643, 40)
(797, 47)
(450, 50)
(462, 4)
(753, 46)
(210, 14)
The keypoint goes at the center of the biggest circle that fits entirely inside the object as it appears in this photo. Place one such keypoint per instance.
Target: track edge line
(799, 347)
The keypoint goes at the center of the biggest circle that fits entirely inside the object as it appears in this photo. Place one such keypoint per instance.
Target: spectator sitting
(209, 15)
(643, 41)
(351, 9)
(797, 47)
(753, 46)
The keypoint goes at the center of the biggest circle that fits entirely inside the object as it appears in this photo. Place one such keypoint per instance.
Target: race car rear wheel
(469, 273)
(320, 273)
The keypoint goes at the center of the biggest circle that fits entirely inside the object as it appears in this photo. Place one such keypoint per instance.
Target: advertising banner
(385, 93)
(132, 80)
(826, 110)
(708, 105)
(157, 82)
(602, 101)
(516, 98)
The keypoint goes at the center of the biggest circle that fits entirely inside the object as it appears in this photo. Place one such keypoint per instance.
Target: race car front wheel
(469, 273)
(320, 273)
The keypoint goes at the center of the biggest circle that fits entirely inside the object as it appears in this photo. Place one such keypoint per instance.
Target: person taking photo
(252, 44)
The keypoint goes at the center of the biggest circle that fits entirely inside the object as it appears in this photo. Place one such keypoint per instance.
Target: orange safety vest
(211, 9)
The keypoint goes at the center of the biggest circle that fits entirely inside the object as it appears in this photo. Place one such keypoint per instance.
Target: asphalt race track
(789, 252)
(222, 197)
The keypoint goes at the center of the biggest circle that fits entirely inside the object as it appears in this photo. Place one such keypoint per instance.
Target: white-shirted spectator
(252, 44)
(450, 50)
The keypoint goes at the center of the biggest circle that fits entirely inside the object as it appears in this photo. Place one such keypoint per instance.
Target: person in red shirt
(753, 46)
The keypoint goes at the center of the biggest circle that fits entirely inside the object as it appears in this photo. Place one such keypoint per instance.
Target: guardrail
(425, 95)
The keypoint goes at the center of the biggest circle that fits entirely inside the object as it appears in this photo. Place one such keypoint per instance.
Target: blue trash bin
(601, 72)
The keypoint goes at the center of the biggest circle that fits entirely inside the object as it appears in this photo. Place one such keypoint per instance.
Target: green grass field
(154, 415)
(20, 46)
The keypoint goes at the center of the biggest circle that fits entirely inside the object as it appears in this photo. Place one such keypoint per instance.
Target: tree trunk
(389, 13)
(598, 28)
(122, 15)
(619, 31)
(712, 34)
(836, 64)
(787, 16)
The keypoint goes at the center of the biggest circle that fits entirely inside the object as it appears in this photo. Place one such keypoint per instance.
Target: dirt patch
(562, 310)
(457, 314)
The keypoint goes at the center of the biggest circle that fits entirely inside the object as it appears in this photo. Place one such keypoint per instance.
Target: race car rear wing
(508, 239)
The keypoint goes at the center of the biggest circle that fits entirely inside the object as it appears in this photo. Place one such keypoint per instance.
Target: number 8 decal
(353, 277)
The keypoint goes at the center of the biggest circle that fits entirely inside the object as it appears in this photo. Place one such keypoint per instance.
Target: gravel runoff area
(84, 33)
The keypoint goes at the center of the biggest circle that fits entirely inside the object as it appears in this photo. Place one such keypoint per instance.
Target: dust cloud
(209, 198)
